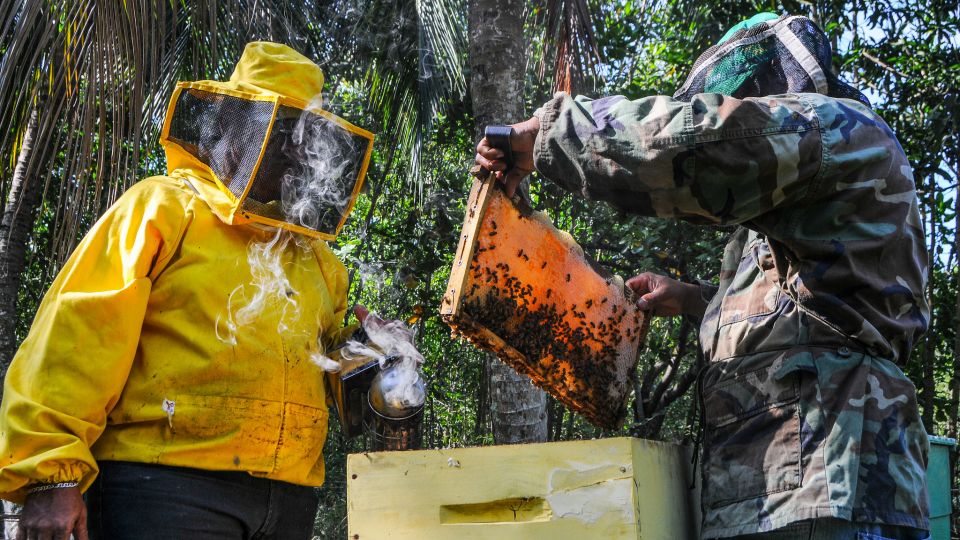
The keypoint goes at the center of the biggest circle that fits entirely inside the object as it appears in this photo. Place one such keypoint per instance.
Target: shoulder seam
(169, 248)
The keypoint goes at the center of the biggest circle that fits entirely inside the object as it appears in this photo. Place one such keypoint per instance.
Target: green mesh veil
(768, 55)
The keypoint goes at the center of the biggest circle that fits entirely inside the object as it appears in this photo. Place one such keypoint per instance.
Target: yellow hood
(272, 68)
(264, 69)
(238, 150)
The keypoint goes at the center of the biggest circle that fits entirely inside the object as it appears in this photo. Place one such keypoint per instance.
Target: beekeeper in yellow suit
(168, 373)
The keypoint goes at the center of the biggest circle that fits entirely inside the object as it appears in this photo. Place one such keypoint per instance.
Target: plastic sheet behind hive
(524, 291)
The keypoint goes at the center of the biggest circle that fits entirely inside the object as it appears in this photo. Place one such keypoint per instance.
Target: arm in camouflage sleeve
(715, 159)
(706, 289)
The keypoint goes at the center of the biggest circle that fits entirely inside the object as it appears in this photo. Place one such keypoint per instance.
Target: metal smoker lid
(387, 380)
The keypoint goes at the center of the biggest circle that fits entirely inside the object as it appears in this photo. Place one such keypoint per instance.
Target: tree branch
(884, 65)
(658, 393)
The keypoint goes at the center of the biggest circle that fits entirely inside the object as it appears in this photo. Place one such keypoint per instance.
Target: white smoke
(313, 195)
(387, 340)
(326, 363)
(320, 188)
(270, 289)
(371, 273)
(228, 335)
(270, 282)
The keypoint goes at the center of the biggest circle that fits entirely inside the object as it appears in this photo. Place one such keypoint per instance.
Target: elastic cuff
(39, 488)
(67, 471)
(707, 290)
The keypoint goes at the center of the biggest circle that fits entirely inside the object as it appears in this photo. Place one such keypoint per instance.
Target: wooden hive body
(525, 291)
(610, 489)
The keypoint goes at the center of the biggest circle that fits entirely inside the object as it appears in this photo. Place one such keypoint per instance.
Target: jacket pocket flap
(748, 394)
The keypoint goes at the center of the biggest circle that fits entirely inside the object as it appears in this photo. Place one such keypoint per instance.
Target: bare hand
(54, 515)
(522, 139)
(361, 312)
(666, 297)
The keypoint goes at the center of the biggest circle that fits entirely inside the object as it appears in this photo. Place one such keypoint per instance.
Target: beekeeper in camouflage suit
(811, 430)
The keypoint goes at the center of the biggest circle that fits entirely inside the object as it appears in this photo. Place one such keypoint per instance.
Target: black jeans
(157, 502)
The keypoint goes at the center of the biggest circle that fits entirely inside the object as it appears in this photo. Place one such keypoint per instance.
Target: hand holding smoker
(379, 390)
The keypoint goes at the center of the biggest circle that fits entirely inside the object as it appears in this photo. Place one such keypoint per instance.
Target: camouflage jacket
(821, 290)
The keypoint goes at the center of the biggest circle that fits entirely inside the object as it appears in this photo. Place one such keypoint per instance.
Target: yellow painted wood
(609, 488)
(667, 507)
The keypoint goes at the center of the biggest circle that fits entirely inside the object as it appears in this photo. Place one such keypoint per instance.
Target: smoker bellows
(525, 291)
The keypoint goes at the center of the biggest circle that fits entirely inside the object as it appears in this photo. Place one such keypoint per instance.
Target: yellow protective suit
(123, 361)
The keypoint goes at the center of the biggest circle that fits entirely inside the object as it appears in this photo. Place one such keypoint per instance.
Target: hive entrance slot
(514, 510)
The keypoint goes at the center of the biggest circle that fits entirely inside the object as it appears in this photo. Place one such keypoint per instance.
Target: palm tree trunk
(15, 227)
(497, 69)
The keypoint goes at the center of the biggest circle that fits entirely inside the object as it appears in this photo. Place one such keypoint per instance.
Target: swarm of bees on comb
(524, 290)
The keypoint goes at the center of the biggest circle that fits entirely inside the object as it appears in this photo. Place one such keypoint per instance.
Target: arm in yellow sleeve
(334, 333)
(335, 275)
(70, 370)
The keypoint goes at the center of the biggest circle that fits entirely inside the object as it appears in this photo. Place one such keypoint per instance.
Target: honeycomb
(523, 290)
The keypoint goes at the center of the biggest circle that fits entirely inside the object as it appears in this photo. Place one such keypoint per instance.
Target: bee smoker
(394, 422)
(350, 395)
(367, 401)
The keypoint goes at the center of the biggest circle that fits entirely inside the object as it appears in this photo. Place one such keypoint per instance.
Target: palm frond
(99, 75)
(415, 53)
(442, 78)
(569, 28)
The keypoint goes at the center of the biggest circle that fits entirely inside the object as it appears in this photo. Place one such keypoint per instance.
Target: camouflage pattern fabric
(820, 297)
(837, 529)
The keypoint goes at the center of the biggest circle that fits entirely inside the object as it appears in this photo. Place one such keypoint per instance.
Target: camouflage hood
(768, 55)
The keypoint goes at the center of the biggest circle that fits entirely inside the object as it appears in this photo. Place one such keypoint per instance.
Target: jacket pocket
(300, 452)
(218, 432)
(752, 437)
(754, 290)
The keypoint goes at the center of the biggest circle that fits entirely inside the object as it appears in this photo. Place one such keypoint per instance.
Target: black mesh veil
(222, 131)
(282, 163)
(310, 167)
(786, 55)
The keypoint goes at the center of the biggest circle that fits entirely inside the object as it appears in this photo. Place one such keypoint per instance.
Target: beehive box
(524, 290)
(939, 485)
(609, 488)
